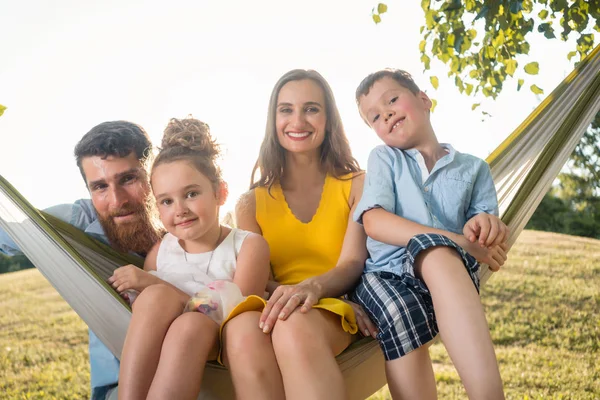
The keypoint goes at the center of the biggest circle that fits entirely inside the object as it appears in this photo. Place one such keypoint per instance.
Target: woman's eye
(285, 110)
(312, 110)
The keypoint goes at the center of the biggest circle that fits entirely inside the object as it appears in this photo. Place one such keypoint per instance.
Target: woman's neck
(302, 171)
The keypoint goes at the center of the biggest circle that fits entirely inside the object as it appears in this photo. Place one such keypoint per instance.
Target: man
(113, 158)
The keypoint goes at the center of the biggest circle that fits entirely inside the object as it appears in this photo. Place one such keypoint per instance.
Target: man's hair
(403, 78)
(114, 138)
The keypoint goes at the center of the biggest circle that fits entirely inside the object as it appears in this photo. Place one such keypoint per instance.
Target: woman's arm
(245, 215)
(252, 270)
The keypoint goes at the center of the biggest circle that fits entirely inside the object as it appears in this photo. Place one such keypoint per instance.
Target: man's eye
(128, 178)
(97, 188)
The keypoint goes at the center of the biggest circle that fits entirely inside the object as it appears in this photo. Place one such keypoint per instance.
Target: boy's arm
(483, 224)
(376, 210)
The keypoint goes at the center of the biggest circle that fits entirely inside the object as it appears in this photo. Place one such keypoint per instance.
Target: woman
(302, 204)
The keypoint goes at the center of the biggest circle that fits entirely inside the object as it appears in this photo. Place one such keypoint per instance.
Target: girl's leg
(153, 312)
(461, 321)
(192, 339)
(249, 355)
(305, 346)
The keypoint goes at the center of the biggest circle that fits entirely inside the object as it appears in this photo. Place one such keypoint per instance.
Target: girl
(199, 265)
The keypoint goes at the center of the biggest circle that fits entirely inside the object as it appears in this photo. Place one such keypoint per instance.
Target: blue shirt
(82, 215)
(458, 187)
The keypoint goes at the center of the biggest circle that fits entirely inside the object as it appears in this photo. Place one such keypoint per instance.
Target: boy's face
(398, 116)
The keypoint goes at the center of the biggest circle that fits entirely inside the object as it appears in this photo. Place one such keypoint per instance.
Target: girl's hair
(189, 140)
(336, 156)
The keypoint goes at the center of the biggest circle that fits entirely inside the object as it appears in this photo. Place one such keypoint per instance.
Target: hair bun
(192, 134)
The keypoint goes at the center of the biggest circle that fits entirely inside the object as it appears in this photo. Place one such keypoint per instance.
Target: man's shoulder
(80, 213)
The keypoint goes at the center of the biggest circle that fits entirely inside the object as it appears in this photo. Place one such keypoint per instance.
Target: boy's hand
(131, 277)
(486, 229)
(494, 256)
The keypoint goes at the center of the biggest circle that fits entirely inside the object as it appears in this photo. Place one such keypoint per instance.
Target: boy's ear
(222, 193)
(425, 99)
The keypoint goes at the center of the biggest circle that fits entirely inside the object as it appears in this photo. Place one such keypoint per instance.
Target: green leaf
(468, 89)
(543, 14)
(571, 55)
(2, 108)
(474, 106)
(536, 89)
(422, 45)
(433, 104)
(376, 18)
(520, 84)
(434, 82)
(532, 68)
(381, 8)
(511, 67)
(425, 60)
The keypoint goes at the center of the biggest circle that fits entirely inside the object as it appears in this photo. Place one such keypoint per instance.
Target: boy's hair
(402, 77)
(190, 140)
(114, 138)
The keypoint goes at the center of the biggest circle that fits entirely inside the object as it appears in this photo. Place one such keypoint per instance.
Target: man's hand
(131, 277)
(486, 229)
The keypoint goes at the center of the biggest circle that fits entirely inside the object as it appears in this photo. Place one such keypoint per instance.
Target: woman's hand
(365, 325)
(131, 277)
(285, 299)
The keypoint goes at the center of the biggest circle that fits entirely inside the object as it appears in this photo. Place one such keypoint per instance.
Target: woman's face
(300, 116)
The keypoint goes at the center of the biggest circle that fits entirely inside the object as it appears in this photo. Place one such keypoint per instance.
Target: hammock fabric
(523, 167)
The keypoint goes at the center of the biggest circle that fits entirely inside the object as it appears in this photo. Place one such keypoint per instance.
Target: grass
(543, 309)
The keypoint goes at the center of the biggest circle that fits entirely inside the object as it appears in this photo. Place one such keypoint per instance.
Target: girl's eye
(166, 202)
(393, 100)
(192, 194)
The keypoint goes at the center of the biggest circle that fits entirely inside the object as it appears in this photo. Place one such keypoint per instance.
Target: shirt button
(426, 188)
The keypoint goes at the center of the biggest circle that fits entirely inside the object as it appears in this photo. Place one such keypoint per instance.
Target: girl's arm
(252, 270)
(245, 215)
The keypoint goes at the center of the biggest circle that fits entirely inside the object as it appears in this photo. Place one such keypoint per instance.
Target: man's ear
(222, 193)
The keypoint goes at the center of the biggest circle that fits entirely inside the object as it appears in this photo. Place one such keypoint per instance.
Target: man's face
(120, 193)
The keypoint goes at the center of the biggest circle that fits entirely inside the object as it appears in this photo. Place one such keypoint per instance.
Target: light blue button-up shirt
(82, 215)
(458, 187)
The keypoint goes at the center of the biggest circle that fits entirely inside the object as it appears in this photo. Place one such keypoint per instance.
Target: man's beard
(137, 236)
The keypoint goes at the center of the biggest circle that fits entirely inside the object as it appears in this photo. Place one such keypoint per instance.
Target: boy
(430, 213)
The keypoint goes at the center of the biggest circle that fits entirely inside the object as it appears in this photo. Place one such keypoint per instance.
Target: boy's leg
(144, 339)
(461, 320)
(411, 376)
(405, 325)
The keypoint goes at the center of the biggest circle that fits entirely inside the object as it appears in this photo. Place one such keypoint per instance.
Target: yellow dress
(302, 250)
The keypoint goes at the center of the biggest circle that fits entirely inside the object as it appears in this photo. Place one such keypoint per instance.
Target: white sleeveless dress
(206, 277)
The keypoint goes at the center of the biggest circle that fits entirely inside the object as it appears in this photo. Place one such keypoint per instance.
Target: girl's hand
(285, 299)
(131, 277)
(365, 325)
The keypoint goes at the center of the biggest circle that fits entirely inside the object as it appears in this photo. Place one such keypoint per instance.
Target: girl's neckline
(319, 206)
(210, 252)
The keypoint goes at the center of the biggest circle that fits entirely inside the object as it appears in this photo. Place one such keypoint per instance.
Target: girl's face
(187, 203)
(300, 116)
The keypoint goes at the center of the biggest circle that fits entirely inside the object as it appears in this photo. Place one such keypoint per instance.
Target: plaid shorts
(400, 304)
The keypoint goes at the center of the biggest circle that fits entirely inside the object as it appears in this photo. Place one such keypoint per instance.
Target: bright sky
(68, 65)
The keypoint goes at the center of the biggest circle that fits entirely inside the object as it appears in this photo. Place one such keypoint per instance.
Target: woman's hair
(336, 156)
(189, 140)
